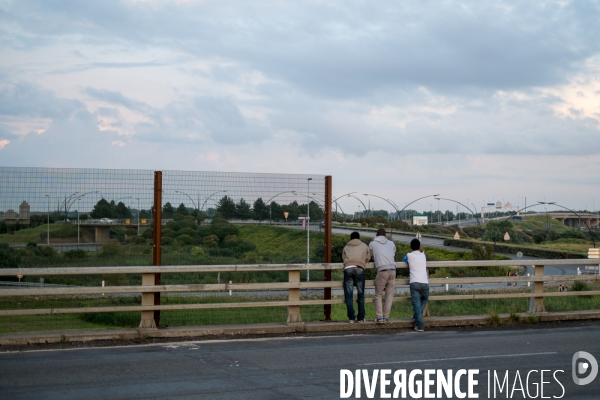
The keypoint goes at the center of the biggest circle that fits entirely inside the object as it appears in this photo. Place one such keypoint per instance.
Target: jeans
(420, 294)
(354, 277)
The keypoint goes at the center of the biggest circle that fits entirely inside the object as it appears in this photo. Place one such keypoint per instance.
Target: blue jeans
(420, 294)
(354, 277)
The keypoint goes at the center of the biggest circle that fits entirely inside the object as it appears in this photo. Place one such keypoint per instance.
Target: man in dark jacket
(355, 255)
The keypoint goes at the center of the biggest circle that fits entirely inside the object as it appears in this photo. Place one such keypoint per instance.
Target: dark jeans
(420, 294)
(354, 277)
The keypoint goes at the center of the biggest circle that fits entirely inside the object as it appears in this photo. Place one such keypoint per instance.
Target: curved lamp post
(188, 196)
(71, 202)
(361, 202)
(208, 198)
(471, 211)
(584, 221)
(269, 202)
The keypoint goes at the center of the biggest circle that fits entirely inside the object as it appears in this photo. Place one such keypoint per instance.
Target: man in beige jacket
(355, 255)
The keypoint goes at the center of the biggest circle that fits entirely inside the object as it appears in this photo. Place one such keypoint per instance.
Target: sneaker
(419, 329)
(381, 320)
(362, 321)
(385, 320)
(351, 321)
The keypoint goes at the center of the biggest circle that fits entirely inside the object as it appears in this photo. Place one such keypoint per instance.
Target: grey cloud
(349, 50)
(24, 99)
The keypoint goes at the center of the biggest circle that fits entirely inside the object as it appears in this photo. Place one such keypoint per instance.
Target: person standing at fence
(419, 282)
(384, 251)
(355, 255)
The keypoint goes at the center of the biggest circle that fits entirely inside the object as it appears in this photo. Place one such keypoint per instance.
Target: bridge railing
(292, 287)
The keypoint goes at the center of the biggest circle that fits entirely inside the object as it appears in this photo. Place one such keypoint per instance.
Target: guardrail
(293, 286)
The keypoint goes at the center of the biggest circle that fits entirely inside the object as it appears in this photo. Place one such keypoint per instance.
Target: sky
(478, 101)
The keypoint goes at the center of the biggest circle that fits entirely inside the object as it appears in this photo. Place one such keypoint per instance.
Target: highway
(302, 367)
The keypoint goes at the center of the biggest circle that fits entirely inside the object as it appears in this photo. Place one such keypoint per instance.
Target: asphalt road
(299, 367)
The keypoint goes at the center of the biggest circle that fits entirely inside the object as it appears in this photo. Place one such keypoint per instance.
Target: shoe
(362, 321)
(381, 320)
(385, 320)
(351, 321)
(419, 329)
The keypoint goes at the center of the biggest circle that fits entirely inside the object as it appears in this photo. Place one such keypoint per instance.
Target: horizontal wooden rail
(60, 291)
(210, 306)
(274, 267)
(292, 286)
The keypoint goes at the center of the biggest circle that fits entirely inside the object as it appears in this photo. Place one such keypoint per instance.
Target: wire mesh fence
(96, 217)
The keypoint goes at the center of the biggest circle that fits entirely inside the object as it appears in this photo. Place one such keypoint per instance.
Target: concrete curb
(207, 332)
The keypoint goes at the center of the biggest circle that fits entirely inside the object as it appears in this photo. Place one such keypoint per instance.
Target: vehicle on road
(106, 221)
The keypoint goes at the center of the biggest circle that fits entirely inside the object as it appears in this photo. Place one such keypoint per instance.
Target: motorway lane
(294, 367)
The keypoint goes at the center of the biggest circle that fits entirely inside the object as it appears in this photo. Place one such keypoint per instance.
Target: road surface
(300, 367)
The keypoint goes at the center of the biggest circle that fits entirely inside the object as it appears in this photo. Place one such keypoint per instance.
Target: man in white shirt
(383, 251)
(419, 283)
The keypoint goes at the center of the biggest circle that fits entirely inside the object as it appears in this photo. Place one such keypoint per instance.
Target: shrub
(494, 318)
(185, 239)
(48, 251)
(139, 240)
(9, 258)
(148, 233)
(75, 254)
(572, 234)
(580, 286)
(211, 241)
(197, 252)
(167, 240)
(483, 251)
(112, 248)
(131, 231)
(187, 231)
(231, 240)
(168, 232)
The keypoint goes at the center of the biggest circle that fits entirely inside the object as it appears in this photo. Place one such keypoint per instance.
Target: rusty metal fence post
(328, 225)
(151, 319)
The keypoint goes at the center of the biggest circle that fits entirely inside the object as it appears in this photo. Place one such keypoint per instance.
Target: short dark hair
(415, 244)
(381, 232)
(354, 235)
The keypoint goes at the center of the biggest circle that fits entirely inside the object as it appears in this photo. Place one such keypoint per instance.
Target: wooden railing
(293, 286)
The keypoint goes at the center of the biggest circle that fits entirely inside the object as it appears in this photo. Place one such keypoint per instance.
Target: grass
(24, 236)
(254, 315)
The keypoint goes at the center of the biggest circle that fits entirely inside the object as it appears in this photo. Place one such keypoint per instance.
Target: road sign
(506, 236)
(456, 236)
(127, 221)
(418, 235)
(144, 221)
(519, 255)
(286, 214)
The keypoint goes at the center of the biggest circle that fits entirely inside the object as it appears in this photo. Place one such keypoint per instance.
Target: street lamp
(269, 203)
(192, 200)
(584, 221)
(308, 227)
(390, 203)
(48, 235)
(208, 198)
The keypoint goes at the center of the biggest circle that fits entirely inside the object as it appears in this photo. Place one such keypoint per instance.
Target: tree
(122, 211)
(226, 207)
(259, 209)
(242, 210)
(182, 209)
(168, 210)
(274, 211)
(495, 230)
(103, 209)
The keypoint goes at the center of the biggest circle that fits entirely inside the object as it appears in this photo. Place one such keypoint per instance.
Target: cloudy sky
(478, 101)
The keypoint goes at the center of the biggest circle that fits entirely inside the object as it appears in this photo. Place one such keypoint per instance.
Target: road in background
(296, 368)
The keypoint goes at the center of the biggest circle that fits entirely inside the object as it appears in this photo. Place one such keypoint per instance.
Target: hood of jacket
(381, 239)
